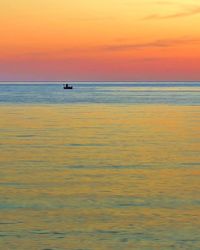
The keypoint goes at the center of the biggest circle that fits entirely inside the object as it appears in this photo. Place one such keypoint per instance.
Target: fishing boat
(67, 86)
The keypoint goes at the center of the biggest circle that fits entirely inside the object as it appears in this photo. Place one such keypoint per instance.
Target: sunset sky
(99, 40)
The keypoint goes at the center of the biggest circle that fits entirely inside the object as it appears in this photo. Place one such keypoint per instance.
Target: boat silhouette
(67, 86)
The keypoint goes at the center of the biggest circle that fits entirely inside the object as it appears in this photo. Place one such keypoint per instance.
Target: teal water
(181, 93)
(113, 166)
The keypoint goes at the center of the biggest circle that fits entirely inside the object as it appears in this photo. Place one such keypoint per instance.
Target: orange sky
(99, 40)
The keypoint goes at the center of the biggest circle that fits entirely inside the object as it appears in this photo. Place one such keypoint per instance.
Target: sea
(105, 166)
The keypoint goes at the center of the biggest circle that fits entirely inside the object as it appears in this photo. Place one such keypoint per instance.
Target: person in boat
(66, 85)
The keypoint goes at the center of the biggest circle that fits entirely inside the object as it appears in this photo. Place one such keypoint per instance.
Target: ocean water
(105, 166)
(180, 93)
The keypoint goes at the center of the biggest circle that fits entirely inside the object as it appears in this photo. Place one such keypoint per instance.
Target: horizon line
(59, 81)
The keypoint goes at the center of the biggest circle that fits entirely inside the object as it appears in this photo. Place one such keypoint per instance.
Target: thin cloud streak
(165, 43)
(166, 3)
(189, 12)
(76, 53)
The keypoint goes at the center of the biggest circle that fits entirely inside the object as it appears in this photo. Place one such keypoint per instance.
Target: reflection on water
(99, 177)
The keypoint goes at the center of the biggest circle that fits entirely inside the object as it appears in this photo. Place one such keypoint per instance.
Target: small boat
(67, 86)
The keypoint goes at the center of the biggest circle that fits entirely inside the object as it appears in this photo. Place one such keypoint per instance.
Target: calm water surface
(104, 166)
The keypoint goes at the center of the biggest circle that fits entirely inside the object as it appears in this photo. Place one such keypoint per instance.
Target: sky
(99, 40)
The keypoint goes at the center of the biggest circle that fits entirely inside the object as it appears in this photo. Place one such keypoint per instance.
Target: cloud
(165, 3)
(88, 19)
(78, 53)
(186, 13)
(162, 43)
